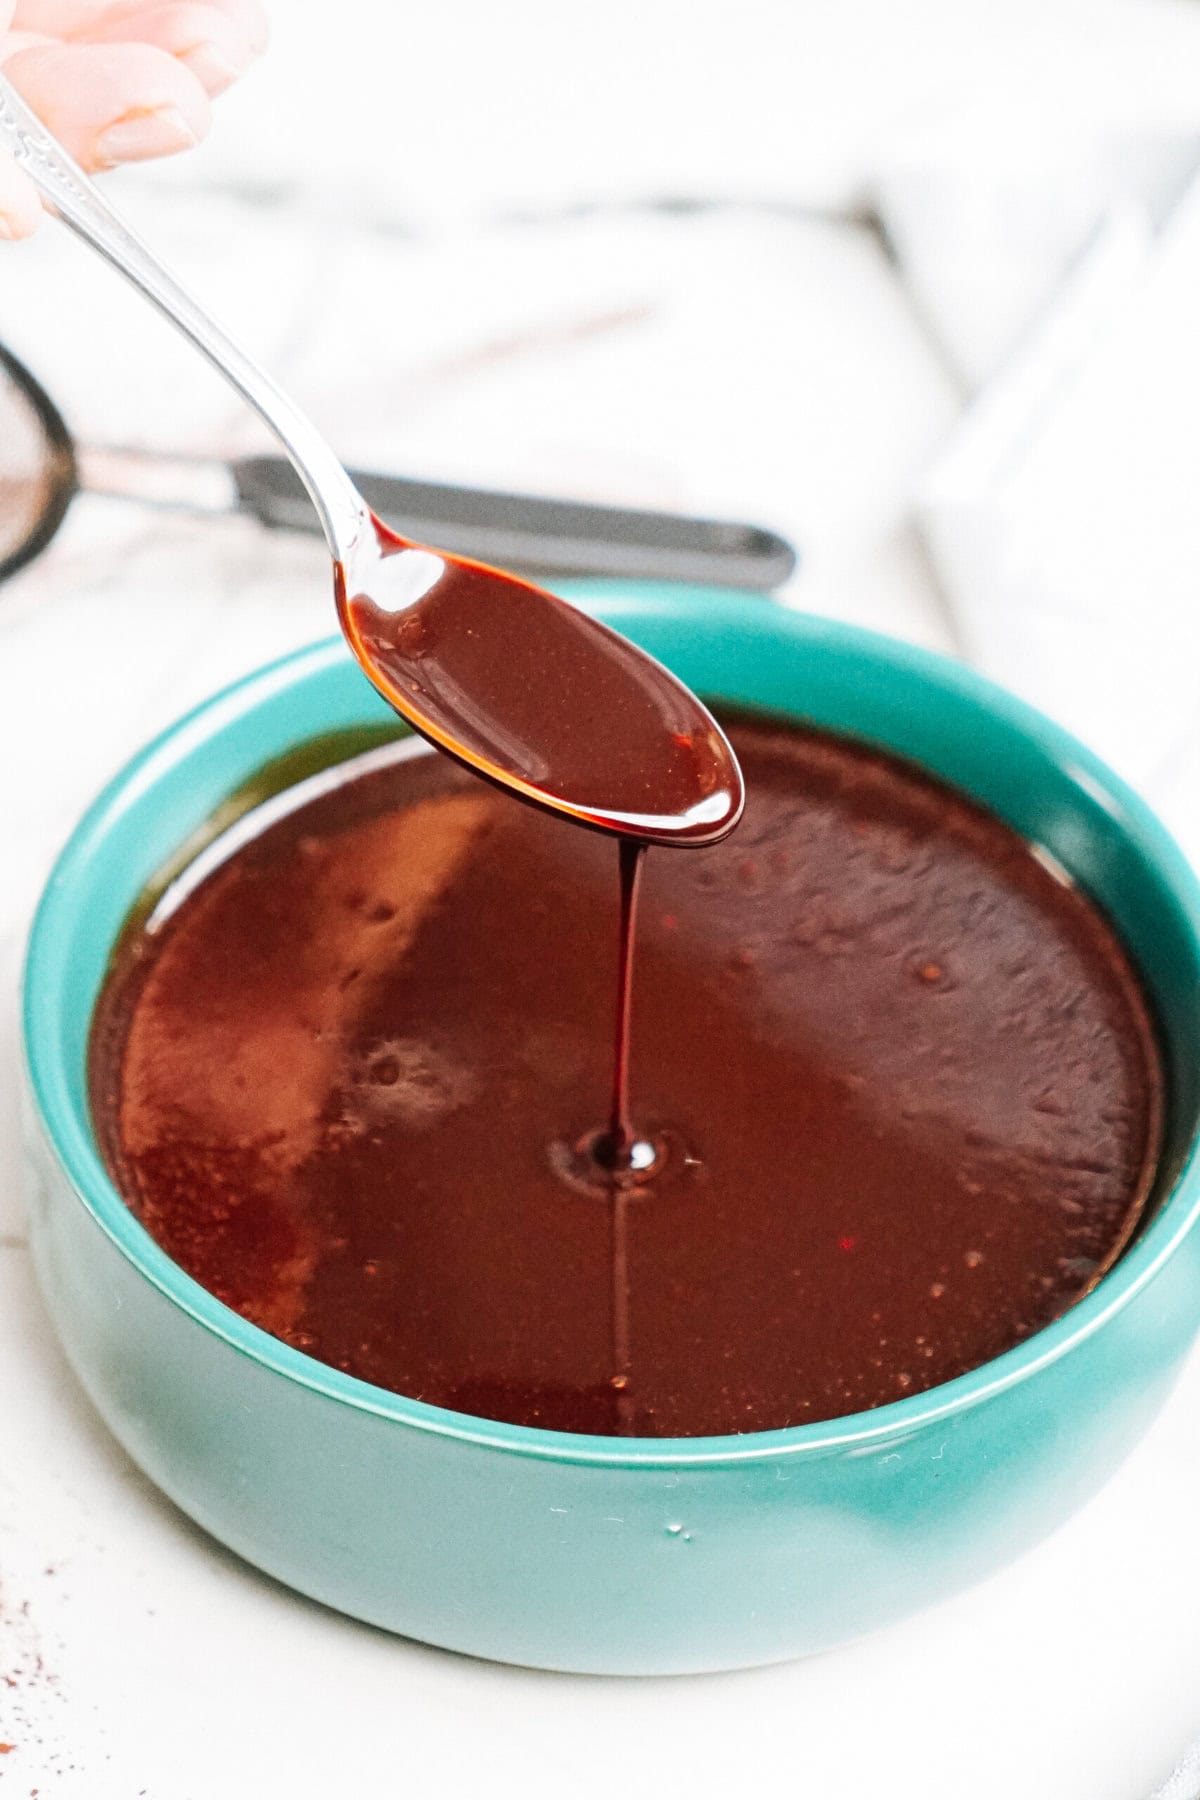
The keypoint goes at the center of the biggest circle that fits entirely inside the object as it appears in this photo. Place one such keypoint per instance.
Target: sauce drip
(616, 1148)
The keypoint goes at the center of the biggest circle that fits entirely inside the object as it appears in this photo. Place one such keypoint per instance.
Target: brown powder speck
(31, 1713)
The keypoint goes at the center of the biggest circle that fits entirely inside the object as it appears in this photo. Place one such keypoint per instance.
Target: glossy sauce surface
(901, 1082)
(532, 692)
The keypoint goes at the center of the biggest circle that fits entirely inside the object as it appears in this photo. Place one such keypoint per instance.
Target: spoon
(523, 687)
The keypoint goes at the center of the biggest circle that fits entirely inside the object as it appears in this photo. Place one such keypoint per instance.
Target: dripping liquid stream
(617, 1146)
(617, 1149)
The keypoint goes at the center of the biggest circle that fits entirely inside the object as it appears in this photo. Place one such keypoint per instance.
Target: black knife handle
(535, 536)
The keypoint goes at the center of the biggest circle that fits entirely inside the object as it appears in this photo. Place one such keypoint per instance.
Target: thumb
(106, 103)
(20, 208)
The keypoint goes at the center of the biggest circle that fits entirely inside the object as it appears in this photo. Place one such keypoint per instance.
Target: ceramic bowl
(588, 1553)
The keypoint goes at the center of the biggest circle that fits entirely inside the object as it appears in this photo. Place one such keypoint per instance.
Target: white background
(389, 212)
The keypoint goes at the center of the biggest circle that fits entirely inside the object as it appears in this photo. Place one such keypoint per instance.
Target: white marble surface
(421, 281)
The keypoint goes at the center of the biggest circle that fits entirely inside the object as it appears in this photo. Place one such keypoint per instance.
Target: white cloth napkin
(1062, 512)
(1184, 1781)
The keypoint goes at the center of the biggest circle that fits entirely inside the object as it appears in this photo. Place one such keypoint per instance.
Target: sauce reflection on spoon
(537, 696)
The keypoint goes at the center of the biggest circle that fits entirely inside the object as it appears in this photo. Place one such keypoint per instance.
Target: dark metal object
(532, 535)
(55, 479)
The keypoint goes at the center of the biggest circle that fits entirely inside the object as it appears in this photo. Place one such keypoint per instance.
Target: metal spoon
(526, 689)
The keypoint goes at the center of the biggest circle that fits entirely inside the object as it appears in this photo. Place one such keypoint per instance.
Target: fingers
(76, 19)
(217, 39)
(214, 45)
(112, 103)
(119, 80)
(20, 208)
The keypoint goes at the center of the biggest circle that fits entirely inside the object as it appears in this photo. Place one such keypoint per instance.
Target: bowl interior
(1053, 791)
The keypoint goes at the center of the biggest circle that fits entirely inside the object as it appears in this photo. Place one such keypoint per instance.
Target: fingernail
(161, 131)
(212, 68)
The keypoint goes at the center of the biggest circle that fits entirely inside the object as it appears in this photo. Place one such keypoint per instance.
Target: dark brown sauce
(531, 692)
(897, 1084)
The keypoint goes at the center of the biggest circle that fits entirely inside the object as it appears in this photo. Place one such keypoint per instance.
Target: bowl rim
(66, 1129)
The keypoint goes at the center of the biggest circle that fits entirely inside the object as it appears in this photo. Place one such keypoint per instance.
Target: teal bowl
(587, 1553)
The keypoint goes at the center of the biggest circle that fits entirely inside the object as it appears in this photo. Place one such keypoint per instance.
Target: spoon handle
(61, 182)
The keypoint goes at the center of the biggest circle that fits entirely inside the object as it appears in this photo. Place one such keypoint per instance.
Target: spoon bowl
(536, 695)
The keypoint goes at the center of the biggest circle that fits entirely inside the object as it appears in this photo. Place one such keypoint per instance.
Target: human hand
(119, 80)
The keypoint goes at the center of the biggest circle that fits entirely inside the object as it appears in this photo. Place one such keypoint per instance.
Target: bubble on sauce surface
(410, 1081)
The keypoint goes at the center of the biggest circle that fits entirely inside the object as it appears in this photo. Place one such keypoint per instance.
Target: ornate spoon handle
(63, 184)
